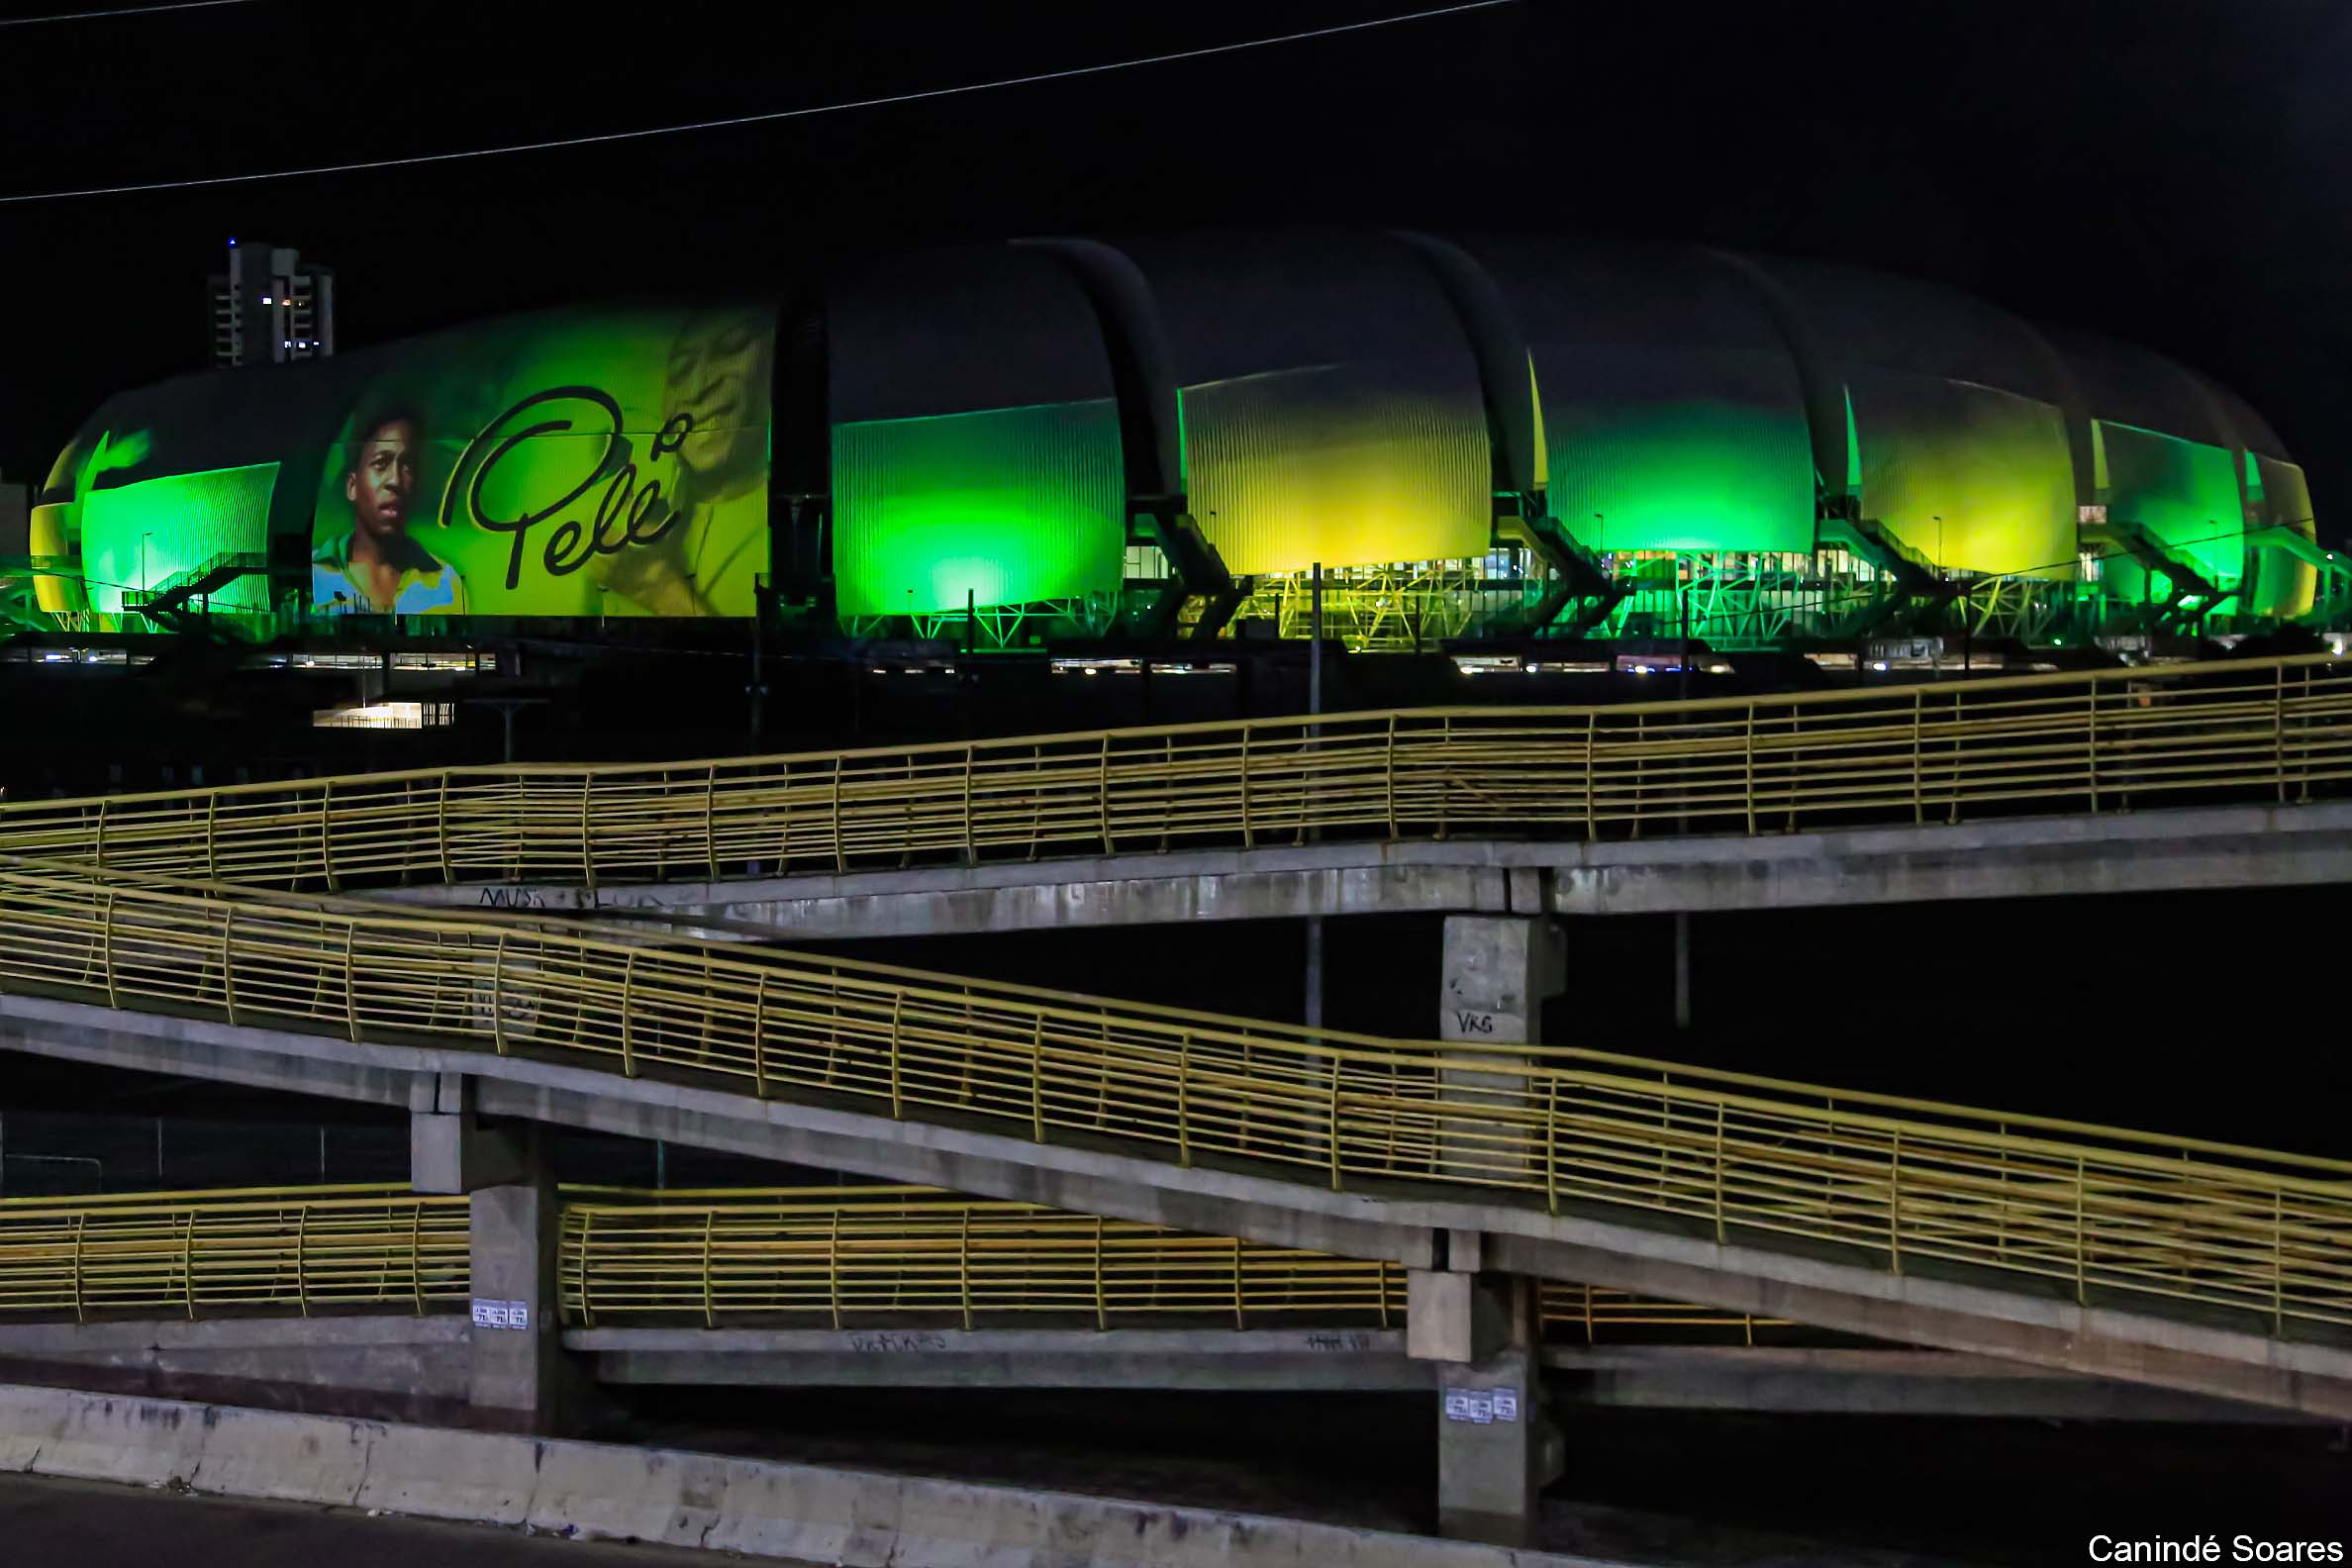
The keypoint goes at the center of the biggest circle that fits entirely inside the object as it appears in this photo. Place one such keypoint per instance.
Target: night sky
(2170, 173)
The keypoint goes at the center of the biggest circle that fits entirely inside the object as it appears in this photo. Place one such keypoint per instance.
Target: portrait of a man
(377, 569)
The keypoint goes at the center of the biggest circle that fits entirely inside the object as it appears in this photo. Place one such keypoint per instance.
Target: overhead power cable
(884, 101)
(118, 11)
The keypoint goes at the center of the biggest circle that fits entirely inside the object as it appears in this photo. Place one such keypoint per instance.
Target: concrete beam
(2144, 852)
(1858, 1381)
(419, 1360)
(1397, 1222)
(1271, 1360)
(451, 1152)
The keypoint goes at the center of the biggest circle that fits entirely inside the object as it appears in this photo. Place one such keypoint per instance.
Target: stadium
(1074, 440)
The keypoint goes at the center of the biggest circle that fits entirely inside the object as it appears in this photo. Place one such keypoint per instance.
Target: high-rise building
(271, 307)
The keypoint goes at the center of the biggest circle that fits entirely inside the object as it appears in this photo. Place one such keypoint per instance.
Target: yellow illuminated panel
(1340, 464)
(1976, 479)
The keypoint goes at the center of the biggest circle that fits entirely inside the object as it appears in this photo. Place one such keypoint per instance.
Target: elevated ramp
(2200, 1266)
(2274, 732)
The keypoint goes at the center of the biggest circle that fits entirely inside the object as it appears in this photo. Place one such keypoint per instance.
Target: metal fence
(847, 1255)
(2278, 730)
(842, 1256)
(224, 1252)
(1889, 1181)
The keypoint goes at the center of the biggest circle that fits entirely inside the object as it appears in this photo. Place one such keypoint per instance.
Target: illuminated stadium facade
(1502, 437)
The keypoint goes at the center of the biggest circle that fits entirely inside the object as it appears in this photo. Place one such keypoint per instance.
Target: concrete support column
(1497, 1445)
(1498, 971)
(450, 1150)
(522, 1379)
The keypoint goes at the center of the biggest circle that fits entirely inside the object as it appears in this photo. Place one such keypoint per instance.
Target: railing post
(710, 1313)
(1918, 750)
(212, 807)
(416, 1254)
(759, 1040)
(99, 859)
(898, 1010)
(587, 1267)
(302, 1258)
(832, 1265)
(2082, 1249)
(2279, 728)
(229, 962)
(711, 819)
(1718, 1172)
(1103, 792)
(1182, 1100)
(1895, 1203)
(1249, 833)
(1591, 779)
(440, 829)
(106, 964)
(841, 844)
(971, 848)
(351, 980)
(2091, 747)
(1102, 1313)
(1552, 1144)
(1241, 1311)
(326, 834)
(188, 1264)
(1037, 1080)
(1394, 834)
(81, 1223)
(587, 826)
(628, 1025)
(2279, 1260)
(963, 1265)
(1334, 1121)
(1749, 793)
(498, 1037)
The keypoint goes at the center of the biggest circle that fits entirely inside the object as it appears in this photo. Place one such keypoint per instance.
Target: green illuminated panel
(138, 534)
(1348, 465)
(611, 463)
(1009, 506)
(1687, 475)
(2282, 585)
(2184, 492)
(1974, 479)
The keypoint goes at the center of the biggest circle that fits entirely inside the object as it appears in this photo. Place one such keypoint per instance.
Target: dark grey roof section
(1500, 346)
(1841, 319)
(1240, 305)
(2129, 385)
(958, 331)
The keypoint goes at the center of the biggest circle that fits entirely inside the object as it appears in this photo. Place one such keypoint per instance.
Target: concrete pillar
(521, 1380)
(451, 1152)
(1497, 1445)
(1498, 971)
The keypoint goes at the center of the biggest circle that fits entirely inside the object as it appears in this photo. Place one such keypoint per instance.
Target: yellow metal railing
(2093, 740)
(840, 1255)
(1891, 1181)
(844, 1255)
(224, 1252)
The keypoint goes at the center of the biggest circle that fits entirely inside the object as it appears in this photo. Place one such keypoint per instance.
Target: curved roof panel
(1947, 418)
(975, 435)
(1329, 405)
(1671, 411)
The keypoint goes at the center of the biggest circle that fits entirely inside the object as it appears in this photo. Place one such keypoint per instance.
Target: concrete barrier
(759, 1507)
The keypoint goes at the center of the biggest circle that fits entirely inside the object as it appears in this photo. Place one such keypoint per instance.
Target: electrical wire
(885, 101)
(119, 11)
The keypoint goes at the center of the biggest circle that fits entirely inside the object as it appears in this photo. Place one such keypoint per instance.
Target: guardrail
(1892, 1181)
(223, 1252)
(843, 1256)
(2277, 729)
(849, 1255)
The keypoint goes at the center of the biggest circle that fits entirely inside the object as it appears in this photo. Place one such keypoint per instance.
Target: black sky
(2169, 172)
